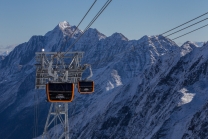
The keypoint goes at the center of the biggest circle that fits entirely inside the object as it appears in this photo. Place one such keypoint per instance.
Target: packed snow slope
(144, 89)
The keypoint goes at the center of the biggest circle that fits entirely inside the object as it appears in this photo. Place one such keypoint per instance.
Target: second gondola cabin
(85, 87)
(60, 92)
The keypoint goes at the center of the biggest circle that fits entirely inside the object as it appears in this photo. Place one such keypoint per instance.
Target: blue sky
(21, 19)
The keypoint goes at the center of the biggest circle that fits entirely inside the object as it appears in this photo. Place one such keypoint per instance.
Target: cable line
(185, 23)
(186, 27)
(152, 40)
(93, 20)
(190, 32)
(142, 43)
(79, 24)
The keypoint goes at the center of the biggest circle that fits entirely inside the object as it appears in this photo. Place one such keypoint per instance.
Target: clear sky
(21, 19)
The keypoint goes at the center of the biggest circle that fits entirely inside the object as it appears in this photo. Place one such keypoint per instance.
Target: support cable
(186, 27)
(153, 40)
(78, 24)
(184, 23)
(93, 20)
(190, 32)
(161, 34)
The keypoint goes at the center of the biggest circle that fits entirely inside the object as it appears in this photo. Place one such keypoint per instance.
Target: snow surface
(187, 96)
(148, 88)
(63, 25)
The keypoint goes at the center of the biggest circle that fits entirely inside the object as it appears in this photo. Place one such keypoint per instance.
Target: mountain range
(149, 88)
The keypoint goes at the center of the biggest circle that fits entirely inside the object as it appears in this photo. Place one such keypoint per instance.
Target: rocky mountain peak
(92, 32)
(187, 47)
(63, 29)
(119, 36)
(64, 25)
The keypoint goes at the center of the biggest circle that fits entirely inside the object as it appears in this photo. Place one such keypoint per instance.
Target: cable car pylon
(57, 111)
(59, 73)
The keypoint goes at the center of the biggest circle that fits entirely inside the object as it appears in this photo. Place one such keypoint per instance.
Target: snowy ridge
(63, 25)
(148, 88)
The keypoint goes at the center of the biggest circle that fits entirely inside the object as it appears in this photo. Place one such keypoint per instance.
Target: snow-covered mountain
(145, 89)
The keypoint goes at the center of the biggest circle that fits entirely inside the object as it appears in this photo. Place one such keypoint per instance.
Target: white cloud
(7, 49)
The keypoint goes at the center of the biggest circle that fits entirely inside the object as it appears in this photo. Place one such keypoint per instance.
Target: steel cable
(78, 24)
(92, 21)
(185, 23)
(187, 27)
(190, 32)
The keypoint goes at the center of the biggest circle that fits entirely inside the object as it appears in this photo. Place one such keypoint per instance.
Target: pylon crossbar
(58, 67)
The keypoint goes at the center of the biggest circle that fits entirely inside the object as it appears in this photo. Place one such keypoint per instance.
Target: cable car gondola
(85, 87)
(60, 92)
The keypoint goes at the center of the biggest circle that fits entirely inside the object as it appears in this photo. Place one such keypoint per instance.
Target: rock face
(144, 89)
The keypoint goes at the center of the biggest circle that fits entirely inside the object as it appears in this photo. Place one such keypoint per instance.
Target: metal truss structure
(58, 112)
(58, 67)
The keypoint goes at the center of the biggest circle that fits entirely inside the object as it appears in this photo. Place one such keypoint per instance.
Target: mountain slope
(146, 88)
